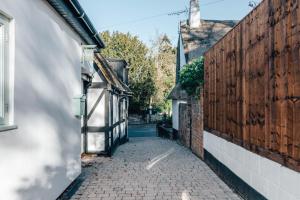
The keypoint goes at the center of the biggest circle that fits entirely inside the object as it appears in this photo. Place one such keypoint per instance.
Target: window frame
(9, 47)
(87, 60)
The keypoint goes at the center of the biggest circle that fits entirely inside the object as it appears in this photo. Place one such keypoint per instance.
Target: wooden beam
(99, 85)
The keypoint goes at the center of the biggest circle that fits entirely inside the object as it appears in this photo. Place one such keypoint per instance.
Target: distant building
(106, 118)
(196, 36)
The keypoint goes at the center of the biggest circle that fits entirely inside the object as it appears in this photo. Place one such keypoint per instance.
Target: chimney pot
(194, 18)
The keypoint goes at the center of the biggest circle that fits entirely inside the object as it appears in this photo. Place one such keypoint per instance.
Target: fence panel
(252, 83)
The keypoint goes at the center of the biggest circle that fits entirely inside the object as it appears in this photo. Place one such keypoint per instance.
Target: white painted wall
(175, 113)
(115, 116)
(42, 157)
(96, 141)
(269, 178)
(123, 125)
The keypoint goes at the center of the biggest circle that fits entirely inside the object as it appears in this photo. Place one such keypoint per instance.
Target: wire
(210, 3)
(158, 15)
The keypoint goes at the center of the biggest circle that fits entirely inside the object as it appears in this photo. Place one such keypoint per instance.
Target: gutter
(76, 17)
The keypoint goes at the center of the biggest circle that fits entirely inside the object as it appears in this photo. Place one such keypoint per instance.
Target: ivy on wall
(192, 77)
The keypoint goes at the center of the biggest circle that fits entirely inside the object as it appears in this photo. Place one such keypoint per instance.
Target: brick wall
(191, 125)
(197, 126)
(184, 131)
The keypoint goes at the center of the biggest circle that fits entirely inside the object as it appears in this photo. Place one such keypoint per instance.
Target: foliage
(164, 56)
(192, 77)
(142, 69)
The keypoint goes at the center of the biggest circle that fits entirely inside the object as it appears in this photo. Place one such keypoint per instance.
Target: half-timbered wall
(123, 117)
(96, 120)
(116, 129)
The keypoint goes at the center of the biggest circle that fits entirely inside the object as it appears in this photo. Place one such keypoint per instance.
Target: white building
(106, 118)
(42, 79)
(196, 36)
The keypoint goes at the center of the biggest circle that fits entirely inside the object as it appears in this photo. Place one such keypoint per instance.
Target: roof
(117, 60)
(76, 17)
(197, 41)
(109, 74)
(178, 93)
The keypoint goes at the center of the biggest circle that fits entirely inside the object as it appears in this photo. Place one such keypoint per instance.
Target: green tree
(192, 77)
(164, 55)
(142, 69)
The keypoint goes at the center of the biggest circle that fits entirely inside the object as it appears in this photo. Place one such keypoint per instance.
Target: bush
(192, 77)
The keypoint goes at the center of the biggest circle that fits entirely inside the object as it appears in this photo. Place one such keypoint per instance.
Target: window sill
(7, 127)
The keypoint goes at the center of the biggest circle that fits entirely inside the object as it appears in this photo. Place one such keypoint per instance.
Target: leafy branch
(192, 77)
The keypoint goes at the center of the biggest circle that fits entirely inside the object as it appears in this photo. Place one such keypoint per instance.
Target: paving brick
(151, 168)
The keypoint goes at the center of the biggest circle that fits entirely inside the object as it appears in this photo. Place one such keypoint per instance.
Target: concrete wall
(42, 157)
(269, 178)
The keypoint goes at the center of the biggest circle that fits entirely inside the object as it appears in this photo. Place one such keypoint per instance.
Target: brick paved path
(151, 168)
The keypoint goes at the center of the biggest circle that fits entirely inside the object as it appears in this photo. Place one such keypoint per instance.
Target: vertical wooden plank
(253, 81)
(223, 86)
(269, 47)
(295, 71)
(205, 89)
(252, 85)
(245, 85)
(290, 57)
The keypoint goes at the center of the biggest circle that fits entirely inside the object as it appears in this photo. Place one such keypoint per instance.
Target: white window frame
(6, 98)
(87, 59)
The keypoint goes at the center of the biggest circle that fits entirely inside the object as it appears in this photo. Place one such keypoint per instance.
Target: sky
(148, 18)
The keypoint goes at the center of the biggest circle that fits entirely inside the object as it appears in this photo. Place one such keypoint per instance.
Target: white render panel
(269, 178)
(115, 116)
(42, 157)
(97, 118)
(123, 112)
(96, 142)
(175, 113)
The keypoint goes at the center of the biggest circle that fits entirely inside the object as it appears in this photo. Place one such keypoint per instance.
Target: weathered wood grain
(252, 83)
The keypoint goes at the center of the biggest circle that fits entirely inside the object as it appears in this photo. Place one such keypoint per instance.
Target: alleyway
(151, 168)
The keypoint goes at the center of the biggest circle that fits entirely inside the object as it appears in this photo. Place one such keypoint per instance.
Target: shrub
(192, 77)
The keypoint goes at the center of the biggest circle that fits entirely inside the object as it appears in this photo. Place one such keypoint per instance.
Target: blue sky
(146, 19)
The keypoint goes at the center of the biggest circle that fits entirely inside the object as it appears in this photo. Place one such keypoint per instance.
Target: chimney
(194, 20)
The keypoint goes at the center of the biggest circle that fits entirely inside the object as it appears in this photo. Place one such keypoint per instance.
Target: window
(4, 70)
(88, 57)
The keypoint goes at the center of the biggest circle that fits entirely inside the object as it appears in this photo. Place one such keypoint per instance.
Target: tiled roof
(197, 41)
(109, 74)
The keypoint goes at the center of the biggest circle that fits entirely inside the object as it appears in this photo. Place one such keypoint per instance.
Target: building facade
(196, 36)
(46, 89)
(105, 122)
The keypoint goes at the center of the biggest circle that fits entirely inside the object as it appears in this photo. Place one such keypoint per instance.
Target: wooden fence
(252, 83)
